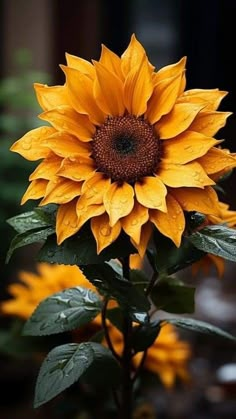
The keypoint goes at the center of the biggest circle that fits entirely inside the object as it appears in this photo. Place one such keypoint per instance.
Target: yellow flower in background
(127, 148)
(225, 216)
(168, 357)
(35, 287)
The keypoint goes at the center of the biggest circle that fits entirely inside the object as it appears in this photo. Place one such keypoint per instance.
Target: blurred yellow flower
(128, 148)
(168, 356)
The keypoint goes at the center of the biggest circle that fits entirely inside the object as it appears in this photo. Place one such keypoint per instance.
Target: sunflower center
(126, 148)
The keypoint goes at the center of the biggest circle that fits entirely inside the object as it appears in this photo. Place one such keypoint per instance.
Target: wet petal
(118, 201)
(163, 98)
(61, 191)
(66, 221)
(211, 97)
(132, 56)
(132, 223)
(138, 88)
(178, 120)
(35, 190)
(80, 91)
(85, 211)
(186, 147)
(146, 233)
(111, 61)
(151, 193)
(76, 168)
(66, 119)
(65, 145)
(190, 174)
(172, 223)
(30, 145)
(81, 65)
(104, 234)
(209, 123)
(108, 91)
(194, 199)
(216, 160)
(93, 189)
(50, 97)
(47, 168)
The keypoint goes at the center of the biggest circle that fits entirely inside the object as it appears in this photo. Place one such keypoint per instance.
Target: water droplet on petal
(26, 146)
(134, 222)
(105, 231)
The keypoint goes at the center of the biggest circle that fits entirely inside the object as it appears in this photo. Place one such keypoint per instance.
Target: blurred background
(34, 37)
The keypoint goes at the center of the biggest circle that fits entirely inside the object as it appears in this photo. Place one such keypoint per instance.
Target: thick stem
(127, 384)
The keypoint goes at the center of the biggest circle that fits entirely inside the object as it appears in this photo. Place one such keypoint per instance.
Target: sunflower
(127, 149)
(225, 216)
(168, 357)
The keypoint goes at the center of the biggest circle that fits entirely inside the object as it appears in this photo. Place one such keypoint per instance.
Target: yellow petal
(172, 223)
(216, 160)
(146, 233)
(81, 65)
(50, 97)
(132, 56)
(163, 98)
(208, 123)
(132, 223)
(118, 201)
(151, 193)
(194, 199)
(66, 221)
(138, 88)
(211, 97)
(178, 120)
(35, 190)
(30, 145)
(111, 61)
(86, 211)
(65, 145)
(135, 261)
(61, 191)
(93, 189)
(108, 91)
(186, 147)
(171, 70)
(104, 234)
(80, 91)
(47, 168)
(76, 168)
(66, 119)
(190, 174)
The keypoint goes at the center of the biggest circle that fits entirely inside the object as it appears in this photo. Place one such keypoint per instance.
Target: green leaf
(31, 220)
(116, 317)
(216, 239)
(110, 283)
(65, 364)
(63, 311)
(200, 327)
(194, 220)
(139, 279)
(144, 336)
(170, 296)
(81, 250)
(29, 237)
(167, 258)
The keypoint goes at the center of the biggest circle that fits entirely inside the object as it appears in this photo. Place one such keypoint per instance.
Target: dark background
(205, 31)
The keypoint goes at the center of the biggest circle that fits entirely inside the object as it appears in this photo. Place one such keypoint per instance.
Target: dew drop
(105, 231)
(26, 146)
(134, 222)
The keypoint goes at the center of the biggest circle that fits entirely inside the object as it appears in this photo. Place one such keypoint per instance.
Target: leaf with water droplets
(144, 336)
(218, 240)
(63, 311)
(65, 364)
(199, 326)
(38, 218)
(28, 237)
(110, 283)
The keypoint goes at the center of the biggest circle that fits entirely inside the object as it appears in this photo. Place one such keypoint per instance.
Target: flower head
(128, 149)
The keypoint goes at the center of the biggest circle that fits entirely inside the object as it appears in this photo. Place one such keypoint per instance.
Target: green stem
(127, 384)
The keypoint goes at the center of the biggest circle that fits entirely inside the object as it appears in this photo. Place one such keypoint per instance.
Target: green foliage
(66, 310)
(65, 364)
(144, 336)
(216, 239)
